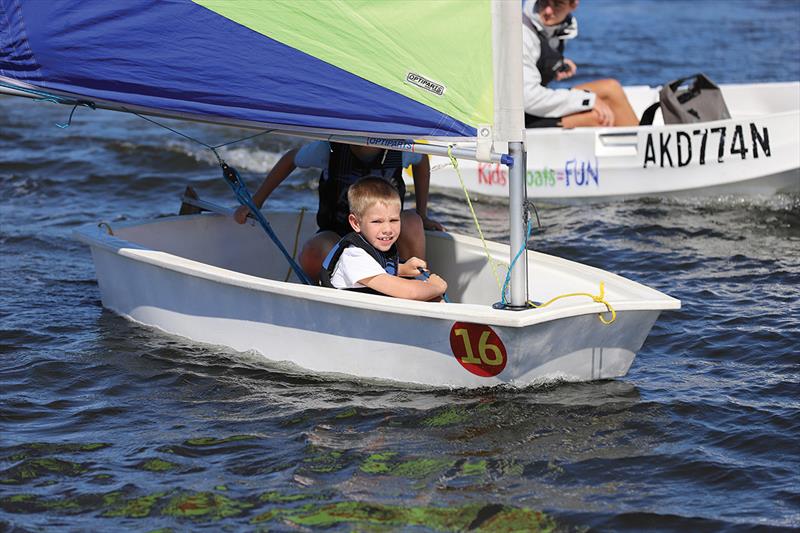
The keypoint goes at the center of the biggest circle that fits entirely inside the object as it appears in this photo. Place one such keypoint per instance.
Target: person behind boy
(341, 166)
(366, 258)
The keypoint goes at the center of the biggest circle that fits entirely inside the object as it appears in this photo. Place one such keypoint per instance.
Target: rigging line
(513, 261)
(296, 240)
(489, 257)
(86, 103)
(49, 97)
(529, 224)
(233, 179)
(239, 188)
(55, 99)
(198, 141)
(600, 298)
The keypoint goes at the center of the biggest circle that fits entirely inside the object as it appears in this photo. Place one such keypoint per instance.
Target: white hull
(756, 152)
(208, 279)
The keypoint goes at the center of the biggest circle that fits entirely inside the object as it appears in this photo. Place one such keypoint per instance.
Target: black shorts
(340, 229)
(532, 121)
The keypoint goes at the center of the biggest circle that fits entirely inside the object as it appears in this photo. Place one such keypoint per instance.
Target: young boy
(341, 166)
(366, 259)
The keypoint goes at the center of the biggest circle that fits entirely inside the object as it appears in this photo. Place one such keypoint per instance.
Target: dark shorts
(341, 230)
(532, 121)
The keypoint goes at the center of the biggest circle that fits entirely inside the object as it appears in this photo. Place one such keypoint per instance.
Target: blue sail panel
(179, 57)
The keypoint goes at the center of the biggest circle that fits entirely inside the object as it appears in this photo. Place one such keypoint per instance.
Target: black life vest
(344, 169)
(550, 59)
(387, 260)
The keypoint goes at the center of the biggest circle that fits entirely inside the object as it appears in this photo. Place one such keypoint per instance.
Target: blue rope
(49, 97)
(41, 94)
(425, 274)
(511, 266)
(243, 195)
(231, 174)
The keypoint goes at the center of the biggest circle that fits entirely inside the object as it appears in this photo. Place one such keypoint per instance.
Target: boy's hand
(438, 282)
(410, 268)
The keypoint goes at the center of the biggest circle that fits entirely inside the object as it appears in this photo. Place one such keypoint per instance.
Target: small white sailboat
(257, 65)
(200, 276)
(755, 152)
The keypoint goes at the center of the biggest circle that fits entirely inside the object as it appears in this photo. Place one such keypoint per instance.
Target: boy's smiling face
(379, 225)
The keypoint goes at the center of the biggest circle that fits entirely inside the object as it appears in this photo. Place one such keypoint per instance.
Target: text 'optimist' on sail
(422, 82)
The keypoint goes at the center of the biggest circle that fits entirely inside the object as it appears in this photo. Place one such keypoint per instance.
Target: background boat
(755, 152)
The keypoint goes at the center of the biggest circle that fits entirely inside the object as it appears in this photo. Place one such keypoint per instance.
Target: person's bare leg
(587, 119)
(612, 94)
(314, 252)
(412, 236)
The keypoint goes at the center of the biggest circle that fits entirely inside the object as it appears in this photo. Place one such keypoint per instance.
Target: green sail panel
(438, 53)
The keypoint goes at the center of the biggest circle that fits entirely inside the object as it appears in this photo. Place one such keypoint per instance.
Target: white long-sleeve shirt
(538, 99)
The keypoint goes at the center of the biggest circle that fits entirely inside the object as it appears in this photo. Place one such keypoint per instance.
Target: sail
(422, 70)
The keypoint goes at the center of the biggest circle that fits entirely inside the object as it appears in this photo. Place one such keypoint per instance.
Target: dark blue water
(107, 425)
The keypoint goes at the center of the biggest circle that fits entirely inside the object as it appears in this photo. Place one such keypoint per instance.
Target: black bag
(700, 102)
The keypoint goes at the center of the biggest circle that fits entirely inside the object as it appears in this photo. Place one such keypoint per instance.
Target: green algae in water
(204, 505)
(32, 503)
(491, 517)
(347, 413)
(141, 507)
(31, 469)
(448, 417)
(158, 465)
(323, 462)
(213, 441)
(387, 464)
(420, 468)
(474, 469)
(47, 448)
(277, 497)
(378, 463)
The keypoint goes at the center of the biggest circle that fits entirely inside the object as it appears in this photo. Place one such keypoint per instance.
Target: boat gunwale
(460, 312)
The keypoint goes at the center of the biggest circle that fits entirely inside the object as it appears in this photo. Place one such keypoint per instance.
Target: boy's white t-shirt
(354, 264)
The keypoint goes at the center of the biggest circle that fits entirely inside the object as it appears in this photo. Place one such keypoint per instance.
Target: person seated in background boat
(547, 25)
(366, 259)
(342, 165)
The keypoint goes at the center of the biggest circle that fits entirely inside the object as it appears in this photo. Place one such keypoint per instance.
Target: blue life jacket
(387, 260)
(344, 169)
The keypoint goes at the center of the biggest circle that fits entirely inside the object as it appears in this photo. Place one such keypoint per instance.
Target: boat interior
(218, 241)
(743, 100)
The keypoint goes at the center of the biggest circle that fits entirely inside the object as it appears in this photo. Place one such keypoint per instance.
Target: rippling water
(108, 425)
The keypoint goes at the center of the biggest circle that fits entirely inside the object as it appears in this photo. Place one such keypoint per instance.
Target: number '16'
(483, 350)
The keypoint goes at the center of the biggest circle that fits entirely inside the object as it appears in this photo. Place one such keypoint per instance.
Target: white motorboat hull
(208, 279)
(756, 152)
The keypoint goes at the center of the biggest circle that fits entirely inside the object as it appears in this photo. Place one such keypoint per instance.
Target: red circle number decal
(478, 348)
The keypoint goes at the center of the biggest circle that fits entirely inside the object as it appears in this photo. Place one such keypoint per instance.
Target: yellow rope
(489, 257)
(600, 298)
(296, 240)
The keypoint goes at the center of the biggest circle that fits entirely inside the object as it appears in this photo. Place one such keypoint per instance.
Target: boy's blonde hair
(369, 191)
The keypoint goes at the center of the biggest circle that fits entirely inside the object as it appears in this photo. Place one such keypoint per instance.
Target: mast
(510, 126)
